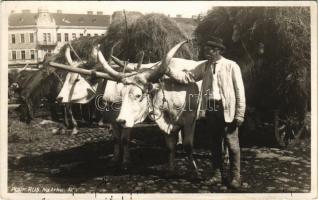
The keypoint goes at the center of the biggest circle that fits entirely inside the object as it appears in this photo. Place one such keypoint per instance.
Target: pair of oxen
(147, 90)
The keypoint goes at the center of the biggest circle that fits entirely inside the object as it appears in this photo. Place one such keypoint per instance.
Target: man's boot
(236, 181)
(216, 178)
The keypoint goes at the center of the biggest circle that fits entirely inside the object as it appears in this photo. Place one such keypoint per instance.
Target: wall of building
(78, 32)
(45, 38)
(23, 44)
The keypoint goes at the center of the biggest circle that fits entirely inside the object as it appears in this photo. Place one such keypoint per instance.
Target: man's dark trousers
(220, 130)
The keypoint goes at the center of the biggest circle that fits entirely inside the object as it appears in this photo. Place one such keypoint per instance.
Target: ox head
(138, 89)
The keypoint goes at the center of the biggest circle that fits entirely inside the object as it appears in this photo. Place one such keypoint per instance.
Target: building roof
(22, 19)
(61, 19)
(81, 20)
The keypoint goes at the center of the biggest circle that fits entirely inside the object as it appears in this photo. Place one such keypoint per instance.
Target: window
(103, 34)
(81, 34)
(49, 37)
(14, 55)
(31, 38)
(89, 35)
(73, 36)
(22, 38)
(44, 37)
(13, 39)
(66, 37)
(23, 55)
(59, 37)
(95, 34)
(32, 56)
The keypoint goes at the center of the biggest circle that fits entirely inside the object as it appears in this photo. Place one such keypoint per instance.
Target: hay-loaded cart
(273, 49)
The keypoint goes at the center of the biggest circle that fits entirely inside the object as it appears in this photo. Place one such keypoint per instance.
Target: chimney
(26, 11)
(99, 13)
(59, 11)
(90, 12)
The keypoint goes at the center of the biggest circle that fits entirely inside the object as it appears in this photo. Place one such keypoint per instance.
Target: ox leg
(99, 117)
(66, 116)
(125, 141)
(30, 113)
(179, 138)
(116, 133)
(100, 121)
(75, 130)
(53, 111)
(171, 141)
(188, 147)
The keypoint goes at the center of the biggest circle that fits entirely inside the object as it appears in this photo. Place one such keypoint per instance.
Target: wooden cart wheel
(287, 134)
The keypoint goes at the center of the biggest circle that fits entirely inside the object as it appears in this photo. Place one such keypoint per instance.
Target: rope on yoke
(75, 52)
(58, 77)
(164, 100)
(77, 78)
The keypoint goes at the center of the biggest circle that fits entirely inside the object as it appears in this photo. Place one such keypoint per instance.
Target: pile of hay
(281, 76)
(118, 33)
(83, 47)
(154, 34)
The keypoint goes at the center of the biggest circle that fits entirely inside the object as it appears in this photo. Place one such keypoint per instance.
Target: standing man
(223, 102)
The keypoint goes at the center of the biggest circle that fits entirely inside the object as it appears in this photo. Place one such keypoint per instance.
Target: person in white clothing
(222, 103)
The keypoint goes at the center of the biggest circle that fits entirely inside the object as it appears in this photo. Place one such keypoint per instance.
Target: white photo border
(233, 196)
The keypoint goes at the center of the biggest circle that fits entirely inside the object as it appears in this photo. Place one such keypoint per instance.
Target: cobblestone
(39, 158)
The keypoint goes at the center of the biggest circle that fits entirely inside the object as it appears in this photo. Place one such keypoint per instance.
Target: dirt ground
(42, 161)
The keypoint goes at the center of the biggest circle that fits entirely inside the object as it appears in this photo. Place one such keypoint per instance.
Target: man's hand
(189, 77)
(239, 122)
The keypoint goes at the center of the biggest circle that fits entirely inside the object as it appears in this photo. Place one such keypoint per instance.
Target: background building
(32, 35)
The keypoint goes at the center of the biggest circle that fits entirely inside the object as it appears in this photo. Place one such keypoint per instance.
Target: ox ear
(152, 88)
(155, 86)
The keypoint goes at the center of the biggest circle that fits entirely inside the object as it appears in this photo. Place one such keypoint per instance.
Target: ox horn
(107, 68)
(112, 51)
(69, 58)
(141, 59)
(68, 55)
(110, 54)
(24, 68)
(115, 59)
(159, 70)
(118, 61)
(129, 66)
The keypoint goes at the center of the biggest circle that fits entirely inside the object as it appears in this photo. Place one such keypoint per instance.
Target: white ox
(172, 105)
(75, 89)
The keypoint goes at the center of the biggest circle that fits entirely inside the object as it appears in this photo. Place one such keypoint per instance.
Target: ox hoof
(58, 131)
(74, 132)
(100, 123)
(126, 165)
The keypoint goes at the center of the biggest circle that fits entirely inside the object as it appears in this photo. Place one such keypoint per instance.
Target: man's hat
(215, 42)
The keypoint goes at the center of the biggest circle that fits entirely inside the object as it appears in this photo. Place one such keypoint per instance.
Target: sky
(185, 8)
